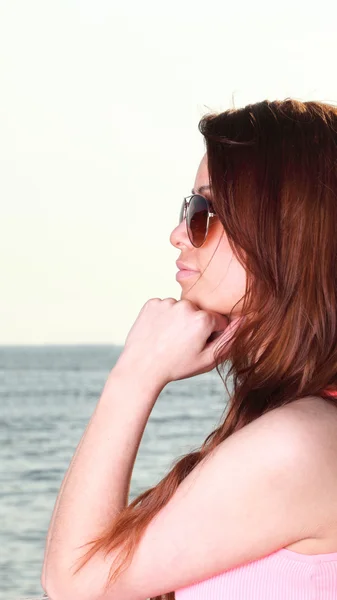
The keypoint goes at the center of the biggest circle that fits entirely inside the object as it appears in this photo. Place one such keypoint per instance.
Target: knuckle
(151, 302)
(203, 317)
(186, 304)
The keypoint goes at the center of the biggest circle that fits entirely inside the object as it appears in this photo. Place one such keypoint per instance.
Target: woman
(252, 515)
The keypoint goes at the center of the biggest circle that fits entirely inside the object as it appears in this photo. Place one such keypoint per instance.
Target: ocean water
(48, 394)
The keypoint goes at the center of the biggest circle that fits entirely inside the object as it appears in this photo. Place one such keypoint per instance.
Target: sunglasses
(197, 211)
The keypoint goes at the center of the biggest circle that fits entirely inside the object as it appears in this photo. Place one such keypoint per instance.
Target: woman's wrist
(137, 376)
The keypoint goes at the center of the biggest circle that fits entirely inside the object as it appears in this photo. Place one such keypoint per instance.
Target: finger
(219, 322)
(226, 335)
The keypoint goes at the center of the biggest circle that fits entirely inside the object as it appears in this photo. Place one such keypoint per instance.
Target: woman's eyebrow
(201, 189)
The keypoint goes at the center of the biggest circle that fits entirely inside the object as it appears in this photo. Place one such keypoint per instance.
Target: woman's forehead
(202, 177)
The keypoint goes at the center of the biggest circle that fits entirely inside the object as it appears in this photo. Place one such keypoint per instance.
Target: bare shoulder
(314, 421)
(302, 438)
(307, 425)
(314, 405)
(314, 415)
(310, 415)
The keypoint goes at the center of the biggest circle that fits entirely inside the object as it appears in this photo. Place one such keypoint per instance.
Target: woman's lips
(184, 273)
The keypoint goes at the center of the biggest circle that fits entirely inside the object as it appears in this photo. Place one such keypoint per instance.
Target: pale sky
(99, 108)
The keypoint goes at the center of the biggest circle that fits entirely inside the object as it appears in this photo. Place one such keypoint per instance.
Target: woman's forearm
(96, 485)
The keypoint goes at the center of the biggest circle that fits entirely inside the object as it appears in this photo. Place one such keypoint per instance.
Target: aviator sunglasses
(197, 211)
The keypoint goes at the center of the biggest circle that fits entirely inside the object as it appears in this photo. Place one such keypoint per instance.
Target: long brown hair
(273, 177)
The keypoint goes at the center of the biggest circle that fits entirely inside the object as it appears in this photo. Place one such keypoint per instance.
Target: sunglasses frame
(187, 200)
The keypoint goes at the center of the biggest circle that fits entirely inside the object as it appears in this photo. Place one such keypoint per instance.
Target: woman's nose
(179, 235)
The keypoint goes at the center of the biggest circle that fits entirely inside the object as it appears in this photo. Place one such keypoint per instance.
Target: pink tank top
(282, 575)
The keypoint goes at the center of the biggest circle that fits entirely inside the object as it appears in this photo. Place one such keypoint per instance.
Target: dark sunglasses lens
(196, 220)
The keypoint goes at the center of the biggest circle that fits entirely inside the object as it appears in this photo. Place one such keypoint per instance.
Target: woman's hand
(173, 339)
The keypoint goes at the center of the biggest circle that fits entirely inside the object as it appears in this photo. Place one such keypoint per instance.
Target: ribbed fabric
(282, 575)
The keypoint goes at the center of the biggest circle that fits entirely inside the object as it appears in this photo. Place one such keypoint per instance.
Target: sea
(48, 395)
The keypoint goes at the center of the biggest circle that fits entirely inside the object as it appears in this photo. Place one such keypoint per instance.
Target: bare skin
(221, 286)
(322, 524)
(223, 280)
